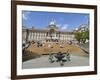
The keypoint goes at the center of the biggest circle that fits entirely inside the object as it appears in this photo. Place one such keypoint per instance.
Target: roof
(45, 30)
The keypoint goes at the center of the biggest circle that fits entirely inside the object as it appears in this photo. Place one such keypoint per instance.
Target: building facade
(50, 34)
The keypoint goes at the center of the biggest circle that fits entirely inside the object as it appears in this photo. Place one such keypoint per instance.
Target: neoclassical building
(50, 34)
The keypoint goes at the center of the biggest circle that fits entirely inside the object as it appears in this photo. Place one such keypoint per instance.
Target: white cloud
(25, 15)
(58, 25)
(63, 27)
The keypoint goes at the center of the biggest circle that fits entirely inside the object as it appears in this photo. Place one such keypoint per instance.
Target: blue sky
(65, 21)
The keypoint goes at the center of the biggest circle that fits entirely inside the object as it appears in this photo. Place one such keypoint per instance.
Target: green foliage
(78, 36)
(82, 36)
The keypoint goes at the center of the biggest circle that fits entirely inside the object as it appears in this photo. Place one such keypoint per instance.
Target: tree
(78, 36)
(85, 36)
(82, 36)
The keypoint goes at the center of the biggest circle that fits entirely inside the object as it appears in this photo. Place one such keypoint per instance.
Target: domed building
(50, 34)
